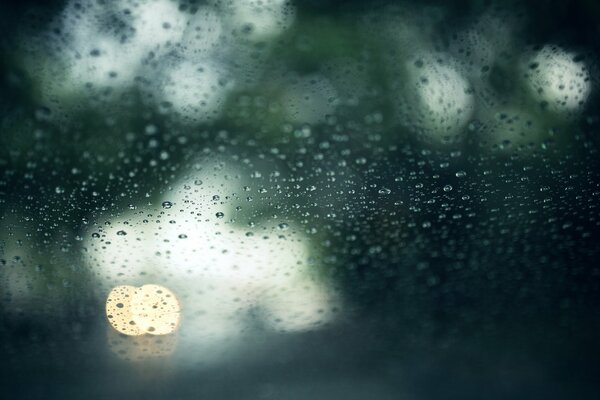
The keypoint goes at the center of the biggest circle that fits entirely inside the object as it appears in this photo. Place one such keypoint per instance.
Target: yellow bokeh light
(149, 309)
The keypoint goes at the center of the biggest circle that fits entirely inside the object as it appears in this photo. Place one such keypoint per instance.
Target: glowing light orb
(439, 100)
(557, 78)
(149, 309)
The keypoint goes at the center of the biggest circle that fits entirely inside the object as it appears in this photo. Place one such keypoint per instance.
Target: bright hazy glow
(196, 91)
(260, 20)
(92, 55)
(157, 23)
(183, 48)
(150, 309)
(226, 276)
(103, 61)
(556, 78)
(441, 101)
(204, 34)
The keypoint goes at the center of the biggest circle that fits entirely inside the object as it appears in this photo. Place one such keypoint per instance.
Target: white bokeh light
(223, 274)
(156, 22)
(556, 78)
(260, 20)
(203, 35)
(196, 90)
(102, 61)
(439, 100)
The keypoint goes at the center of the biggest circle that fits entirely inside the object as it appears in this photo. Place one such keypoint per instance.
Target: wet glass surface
(284, 199)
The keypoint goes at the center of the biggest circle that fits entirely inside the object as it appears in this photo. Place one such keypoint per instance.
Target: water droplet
(182, 236)
(121, 233)
(220, 215)
(447, 188)
(167, 204)
(461, 174)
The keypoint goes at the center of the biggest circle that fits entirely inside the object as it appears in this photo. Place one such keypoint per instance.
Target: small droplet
(182, 236)
(220, 215)
(447, 188)
(167, 204)
(121, 233)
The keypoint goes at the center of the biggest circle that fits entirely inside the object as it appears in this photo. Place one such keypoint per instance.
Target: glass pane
(285, 199)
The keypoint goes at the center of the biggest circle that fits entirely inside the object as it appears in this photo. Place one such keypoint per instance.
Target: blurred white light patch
(149, 309)
(102, 61)
(156, 22)
(309, 99)
(555, 77)
(260, 20)
(92, 53)
(195, 90)
(97, 54)
(439, 100)
(203, 35)
(225, 277)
